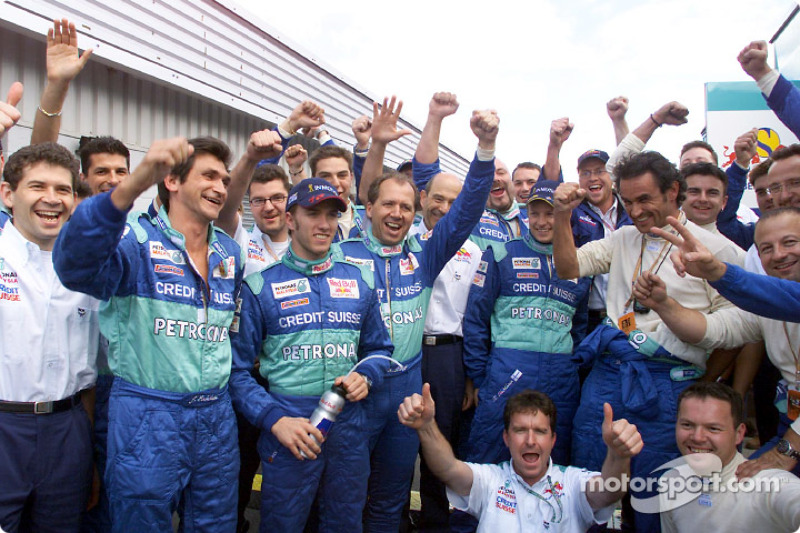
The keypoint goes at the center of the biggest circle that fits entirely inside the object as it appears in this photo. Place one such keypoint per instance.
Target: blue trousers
(169, 451)
(393, 449)
(45, 471)
(337, 477)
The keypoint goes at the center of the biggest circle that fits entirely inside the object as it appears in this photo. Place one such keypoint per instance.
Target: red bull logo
(767, 142)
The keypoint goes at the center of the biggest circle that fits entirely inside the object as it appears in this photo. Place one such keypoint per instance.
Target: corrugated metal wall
(208, 49)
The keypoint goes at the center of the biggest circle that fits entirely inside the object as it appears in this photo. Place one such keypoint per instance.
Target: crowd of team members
(215, 343)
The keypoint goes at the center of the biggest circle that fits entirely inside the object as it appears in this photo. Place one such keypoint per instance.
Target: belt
(439, 340)
(42, 408)
(597, 313)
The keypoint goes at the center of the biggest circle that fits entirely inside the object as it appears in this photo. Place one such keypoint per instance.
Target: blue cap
(312, 191)
(596, 154)
(543, 190)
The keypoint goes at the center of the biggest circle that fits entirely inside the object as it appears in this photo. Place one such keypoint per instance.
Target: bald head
(438, 197)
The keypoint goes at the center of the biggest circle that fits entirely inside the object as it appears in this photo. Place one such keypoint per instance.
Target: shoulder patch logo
(479, 279)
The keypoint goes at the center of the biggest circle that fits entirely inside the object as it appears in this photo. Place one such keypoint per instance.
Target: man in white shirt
(710, 420)
(529, 492)
(47, 352)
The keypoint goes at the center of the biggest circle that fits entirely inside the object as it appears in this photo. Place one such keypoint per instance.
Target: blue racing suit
(405, 274)
(642, 381)
(308, 322)
(759, 294)
(516, 337)
(172, 431)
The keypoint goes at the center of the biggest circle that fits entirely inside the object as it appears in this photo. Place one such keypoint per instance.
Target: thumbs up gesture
(621, 437)
(9, 115)
(417, 410)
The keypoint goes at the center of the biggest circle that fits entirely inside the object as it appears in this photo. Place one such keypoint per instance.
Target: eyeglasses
(275, 199)
(791, 185)
(597, 172)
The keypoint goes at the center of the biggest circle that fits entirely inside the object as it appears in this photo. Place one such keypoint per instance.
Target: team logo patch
(9, 287)
(586, 220)
(255, 253)
(483, 266)
(425, 236)
(463, 255)
(226, 269)
(290, 288)
(527, 275)
(489, 220)
(406, 267)
(358, 261)
(168, 269)
(343, 288)
(294, 303)
(479, 279)
(157, 251)
(506, 499)
(322, 267)
(388, 250)
(531, 263)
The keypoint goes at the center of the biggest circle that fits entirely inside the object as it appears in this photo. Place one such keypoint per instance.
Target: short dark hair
(530, 401)
(82, 190)
(49, 153)
(328, 152)
(714, 389)
(785, 152)
(706, 169)
(525, 164)
(268, 173)
(778, 211)
(664, 172)
(101, 145)
(375, 188)
(760, 170)
(700, 144)
(202, 145)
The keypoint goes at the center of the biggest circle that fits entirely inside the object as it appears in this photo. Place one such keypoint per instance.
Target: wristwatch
(784, 448)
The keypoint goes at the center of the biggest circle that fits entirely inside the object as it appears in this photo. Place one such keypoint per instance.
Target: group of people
(153, 361)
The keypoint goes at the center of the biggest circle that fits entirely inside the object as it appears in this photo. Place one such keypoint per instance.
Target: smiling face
(437, 201)
(530, 441)
(392, 213)
(313, 229)
(336, 171)
(41, 203)
(501, 198)
(540, 221)
(269, 216)
(105, 171)
(594, 178)
(778, 243)
(523, 181)
(645, 203)
(784, 174)
(203, 193)
(706, 425)
(705, 198)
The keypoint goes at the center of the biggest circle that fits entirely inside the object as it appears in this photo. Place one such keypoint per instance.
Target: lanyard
(269, 248)
(557, 516)
(795, 355)
(659, 260)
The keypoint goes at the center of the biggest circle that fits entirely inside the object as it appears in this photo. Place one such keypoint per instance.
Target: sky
(535, 61)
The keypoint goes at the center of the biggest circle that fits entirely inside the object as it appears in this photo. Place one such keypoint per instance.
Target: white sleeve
(582, 507)
(595, 257)
(475, 503)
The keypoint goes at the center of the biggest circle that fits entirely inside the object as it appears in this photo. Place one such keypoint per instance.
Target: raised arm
(263, 144)
(64, 62)
(442, 104)
(296, 157)
(565, 256)
(727, 221)
(9, 114)
(617, 108)
(362, 131)
(417, 412)
(623, 441)
(560, 130)
(384, 131)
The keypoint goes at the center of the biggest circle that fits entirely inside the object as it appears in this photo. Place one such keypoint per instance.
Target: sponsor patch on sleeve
(479, 279)
(483, 266)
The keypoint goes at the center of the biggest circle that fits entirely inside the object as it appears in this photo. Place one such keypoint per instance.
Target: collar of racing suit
(383, 250)
(537, 246)
(303, 266)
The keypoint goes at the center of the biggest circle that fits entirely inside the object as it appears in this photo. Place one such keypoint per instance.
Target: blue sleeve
(727, 222)
(250, 398)
(560, 179)
(423, 172)
(374, 340)
(358, 168)
(455, 227)
(784, 100)
(477, 319)
(91, 255)
(580, 321)
(284, 146)
(775, 298)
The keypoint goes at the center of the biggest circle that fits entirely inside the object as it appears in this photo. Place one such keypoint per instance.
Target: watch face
(783, 446)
